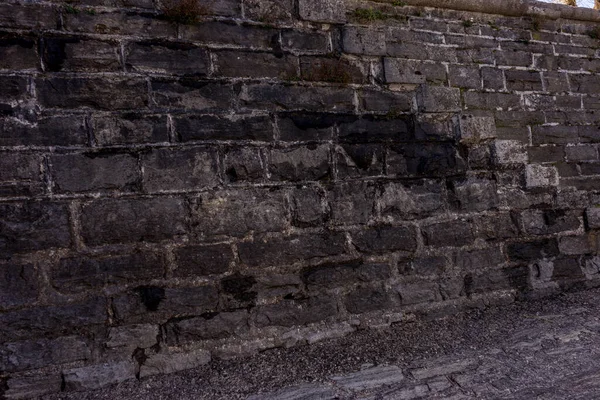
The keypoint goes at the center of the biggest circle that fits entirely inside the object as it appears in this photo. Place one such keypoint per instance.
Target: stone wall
(273, 173)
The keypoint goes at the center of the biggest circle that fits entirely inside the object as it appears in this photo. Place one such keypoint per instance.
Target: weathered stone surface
(21, 174)
(130, 128)
(47, 131)
(479, 260)
(365, 299)
(209, 326)
(331, 275)
(357, 160)
(78, 274)
(220, 128)
(532, 250)
(17, 52)
(352, 203)
(192, 94)
(244, 164)
(97, 376)
(287, 250)
(509, 152)
(475, 195)
(451, 233)
(19, 284)
(418, 292)
(23, 387)
(438, 99)
(116, 221)
(398, 70)
(195, 261)
(302, 392)
(288, 97)
(167, 57)
(308, 207)
(167, 363)
(180, 169)
(385, 239)
(541, 176)
(75, 54)
(592, 217)
(31, 226)
(95, 171)
(323, 11)
(32, 354)
(132, 336)
(370, 378)
(402, 202)
(303, 163)
(255, 65)
(296, 312)
(239, 212)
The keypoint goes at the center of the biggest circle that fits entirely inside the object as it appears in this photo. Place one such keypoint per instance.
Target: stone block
(32, 386)
(31, 226)
(532, 250)
(543, 222)
(451, 233)
(462, 76)
(239, 212)
(352, 203)
(269, 10)
(129, 128)
(119, 23)
(49, 131)
(109, 221)
(80, 273)
(523, 80)
(401, 201)
(17, 52)
(209, 127)
(296, 312)
(335, 274)
(230, 33)
(21, 174)
(429, 160)
(342, 70)
(244, 164)
(199, 261)
(99, 375)
(156, 56)
(295, 39)
(295, 97)
(438, 99)
(418, 292)
(14, 88)
(180, 169)
(502, 279)
(475, 195)
(364, 41)
(592, 217)
(385, 239)
(309, 163)
(72, 173)
(399, 70)
(29, 16)
(308, 207)
(474, 128)
(358, 160)
(491, 101)
(369, 128)
(33, 354)
(479, 260)
(541, 176)
(132, 337)
(193, 94)
(574, 245)
(567, 268)
(365, 299)
(285, 250)
(506, 152)
(305, 126)
(255, 65)
(95, 93)
(581, 153)
(386, 101)
(19, 284)
(78, 55)
(209, 326)
(167, 363)
(333, 11)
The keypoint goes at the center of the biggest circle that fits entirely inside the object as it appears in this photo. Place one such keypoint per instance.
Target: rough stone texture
(281, 172)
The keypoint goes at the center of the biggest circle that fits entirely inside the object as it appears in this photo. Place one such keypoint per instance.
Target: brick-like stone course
(278, 165)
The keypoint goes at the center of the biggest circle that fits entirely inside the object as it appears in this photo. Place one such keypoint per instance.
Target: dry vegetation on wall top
(209, 182)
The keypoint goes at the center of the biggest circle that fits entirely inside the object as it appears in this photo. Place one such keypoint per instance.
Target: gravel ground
(547, 349)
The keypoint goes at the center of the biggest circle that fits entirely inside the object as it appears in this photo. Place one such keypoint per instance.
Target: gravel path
(549, 349)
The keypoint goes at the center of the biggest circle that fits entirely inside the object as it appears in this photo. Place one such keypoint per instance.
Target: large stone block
(21, 174)
(438, 99)
(295, 97)
(365, 299)
(32, 354)
(180, 169)
(308, 207)
(75, 54)
(17, 52)
(371, 128)
(451, 233)
(541, 176)
(209, 326)
(50, 130)
(130, 128)
(358, 160)
(192, 94)
(33, 226)
(230, 33)
(331, 275)
(323, 11)
(255, 65)
(97, 376)
(475, 195)
(198, 261)
(167, 57)
(532, 250)
(167, 363)
(307, 163)
(109, 221)
(399, 70)
(352, 203)
(285, 250)
(364, 41)
(296, 312)
(239, 212)
(401, 201)
(385, 239)
(119, 23)
(95, 93)
(208, 127)
(78, 274)
(244, 164)
(19, 284)
(95, 171)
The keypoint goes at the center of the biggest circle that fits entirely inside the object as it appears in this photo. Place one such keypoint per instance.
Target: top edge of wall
(516, 8)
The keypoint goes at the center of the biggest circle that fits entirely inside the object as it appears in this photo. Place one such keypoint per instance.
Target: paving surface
(548, 349)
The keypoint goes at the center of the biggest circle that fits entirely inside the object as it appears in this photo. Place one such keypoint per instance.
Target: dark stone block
(307, 207)
(385, 239)
(310, 163)
(13, 88)
(129, 128)
(52, 320)
(180, 169)
(193, 94)
(352, 203)
(50, 131)
(355, 161)
(418, 292)
(98, 93)
(75, 54)
(430, 160)
(210, 127)
(29, 16)
(295, 97)
(240, 288)
(255, 65)
(294, 39)
(502, 279)
(119, 23)
(364, 299)
(78, 274)
(33, 354)
(475, 195)
(331, 275)
(285, 250)
(230, 33)
(207, 326)
(33, 226)
(20, 174)
(432, 265)
(239, 212)
(244, 164)
(95, 171)
(532, 250)
(479, 260)
(305, 126)
(409, 201)
(296, 312)
(123, 220)
(451, 233)
(19, 284)
(371, 128)
(17, 52)
(167, 57)
(567, 268)
(385, 102)
(197, 261)
(333, 70)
